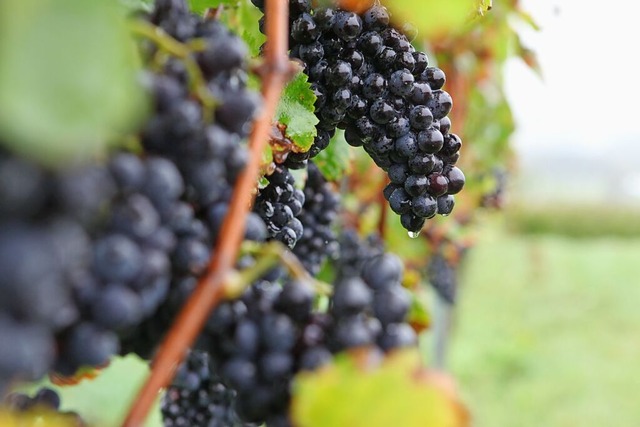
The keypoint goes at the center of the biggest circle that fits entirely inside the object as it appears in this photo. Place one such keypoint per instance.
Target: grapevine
(234, 262)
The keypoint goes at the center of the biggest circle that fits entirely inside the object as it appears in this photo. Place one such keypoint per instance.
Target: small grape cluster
(196, 397)
(252, 342)
(46, 404)
(370, 81)
(260, 341)
(319, 212)
(85, 254)
(36, 300)
(129, 265)
(279, 203)
(443, 276)
(369, 304)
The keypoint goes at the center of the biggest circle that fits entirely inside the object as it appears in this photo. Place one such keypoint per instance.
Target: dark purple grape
(398, 173)
(398, 127)
(421, 62)
(416, 185)
(456, 180)
(370, 43)
(430, 141)
(401, 82)
(374, 86)
(420, 117)
(440, 104)
(435, 77)
(424, 206)
(347, 25)
(311, 53)
(407, 145)
(386, 58)
(383, 271)
(421, 164)
(397, 335)
(412, 222)
(350, 296)
(445, 204)
(375, 18)
(304, 29)
(382, 112)
(391, 305)
(400, 201)
(324, 17)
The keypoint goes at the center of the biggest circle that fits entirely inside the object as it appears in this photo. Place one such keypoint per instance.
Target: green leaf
(300, 177)
(248, 17)
(419, 316)
(397, 393)
(134, 5)
(104, 401)
(296, 111)
(67, 77)
(199, 6)
(435, 17)
(335, 160)
(241, 16)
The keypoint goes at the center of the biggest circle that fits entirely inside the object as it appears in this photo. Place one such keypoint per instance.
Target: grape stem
(173, 47)
(276, 71)
(382, 219)
(277, 251)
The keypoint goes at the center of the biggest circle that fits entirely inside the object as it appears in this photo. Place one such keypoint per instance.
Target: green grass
(583, 221)
(548, 332)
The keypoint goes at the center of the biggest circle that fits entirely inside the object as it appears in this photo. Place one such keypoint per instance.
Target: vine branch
(275, 70)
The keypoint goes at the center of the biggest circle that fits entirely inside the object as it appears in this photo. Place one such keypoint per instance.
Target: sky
(582, 119)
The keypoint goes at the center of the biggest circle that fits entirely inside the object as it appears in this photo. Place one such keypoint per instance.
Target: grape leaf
(105, 400)
(199, 6)
(134, 5)
(241, 16)
(296, 111)
(335, 160)
(419, 317)
(248, 17)
(398, 392)
(67, 77)
(435, 16)
(35, 417)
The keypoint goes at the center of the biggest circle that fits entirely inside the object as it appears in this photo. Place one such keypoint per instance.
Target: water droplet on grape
(414, 234)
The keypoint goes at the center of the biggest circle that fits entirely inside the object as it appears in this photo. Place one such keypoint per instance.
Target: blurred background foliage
(544, 328)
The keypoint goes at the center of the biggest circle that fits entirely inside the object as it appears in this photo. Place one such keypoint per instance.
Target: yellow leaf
(396, 392)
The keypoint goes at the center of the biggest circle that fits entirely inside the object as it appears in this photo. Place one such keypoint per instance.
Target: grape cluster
(370, 81)
(92, 259)
(208, 153)
(254, 345)
(198, 398)
(443, 276)
(35, 298)
(260, 341)
(369, 305)
(132, 256)
(45, 403)
(279, 204)
(319, 212)
(89, 252)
